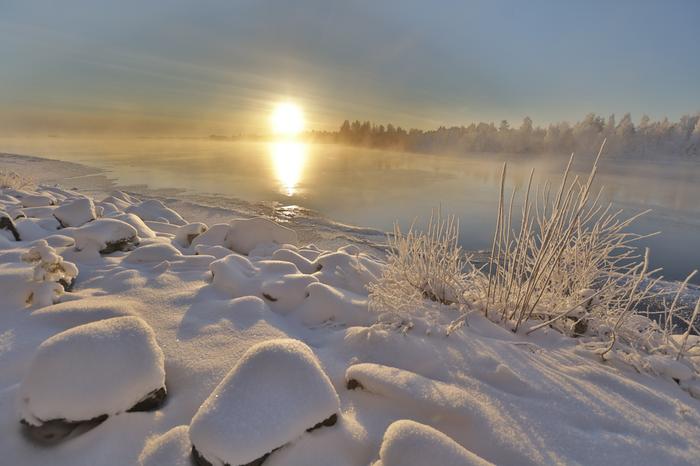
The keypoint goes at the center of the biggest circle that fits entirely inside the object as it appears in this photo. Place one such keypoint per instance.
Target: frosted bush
(52, 275)
(12, 180)
(571, 264)
(422, 267)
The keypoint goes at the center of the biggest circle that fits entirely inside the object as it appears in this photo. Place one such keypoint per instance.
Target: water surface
(374, 188)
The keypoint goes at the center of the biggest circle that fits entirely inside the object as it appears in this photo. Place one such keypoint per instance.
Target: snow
(143, 230)
(409, 443)
(214, 236)
(186, 233)
(246, 234)
(103, 367)
(98, 235)
(157, 252)
(170, 449)
(511, 399)
(279, 282)
(36, 200)
(217, 251)
(75, 213)
(274, 394)
(154, 209)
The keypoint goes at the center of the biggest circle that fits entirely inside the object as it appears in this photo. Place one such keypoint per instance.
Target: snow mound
(186, 233)
(246, 234)
(303, 264)
(59, 241)
(170, 449)
(409, 443)
(37, 200)
(350, 272)
(75, 213)
(100, 368)
(216, 251)
(30, 229)
(214, 236)
(154, 209)
(106, 235)
(325, 303)
(279, 283)
(274, 394)
(34, 212)
(143, 230)
(157, 252)
(17, 289)
(408, 388)
(8, 226)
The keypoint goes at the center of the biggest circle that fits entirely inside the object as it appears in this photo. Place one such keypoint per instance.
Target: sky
(199, 67)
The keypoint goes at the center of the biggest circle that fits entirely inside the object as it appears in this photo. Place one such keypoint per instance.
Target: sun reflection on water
(288, 159)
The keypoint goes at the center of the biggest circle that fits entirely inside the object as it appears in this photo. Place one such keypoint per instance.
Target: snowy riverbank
(196, 294)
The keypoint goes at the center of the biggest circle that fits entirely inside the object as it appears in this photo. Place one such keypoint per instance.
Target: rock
(187, 233)
(275, 393)
(107, 235)
(90, 372)
(6, 223)
(75, 213)
(36, 200)
(154, 209)
(409, 443)
(57, 430)
(151, 402)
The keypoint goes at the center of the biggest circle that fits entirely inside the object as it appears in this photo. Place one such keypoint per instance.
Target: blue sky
(196, 67)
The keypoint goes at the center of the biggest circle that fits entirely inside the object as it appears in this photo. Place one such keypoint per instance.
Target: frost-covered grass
(570, 264)
(10, 179)
(422, 265)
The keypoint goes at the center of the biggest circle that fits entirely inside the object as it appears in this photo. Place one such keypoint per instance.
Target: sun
(287, 119)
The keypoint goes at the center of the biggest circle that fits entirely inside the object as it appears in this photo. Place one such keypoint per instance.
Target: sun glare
(287, 119)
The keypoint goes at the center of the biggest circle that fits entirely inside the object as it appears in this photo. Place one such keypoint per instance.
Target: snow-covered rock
(30, 229)
(101, 368)
(274, 394)
(75, 213)
(325, 303)
(106, 235)
(34, 212)
(37, 200)
(154, 209)
(409, 443)
(143, 230)
(59, 241)
(350, 272)
(187, 233)
(245, 234)
(170, 449)
(108, 209)
(156, 252)
(117, 202)
(7, 226)
(17, 289)
(214, 236)
(278, 282)
(303, 264)
(216, 251)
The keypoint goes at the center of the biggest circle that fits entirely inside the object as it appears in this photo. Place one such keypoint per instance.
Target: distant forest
(646, 139)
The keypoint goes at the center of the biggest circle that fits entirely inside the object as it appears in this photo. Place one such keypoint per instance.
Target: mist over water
(374, 188)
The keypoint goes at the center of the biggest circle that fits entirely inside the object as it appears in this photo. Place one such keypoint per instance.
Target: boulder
(275, 393)
(75, 213)
(90, 372)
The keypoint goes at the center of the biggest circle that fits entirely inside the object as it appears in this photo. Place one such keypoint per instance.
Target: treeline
(647, 138)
